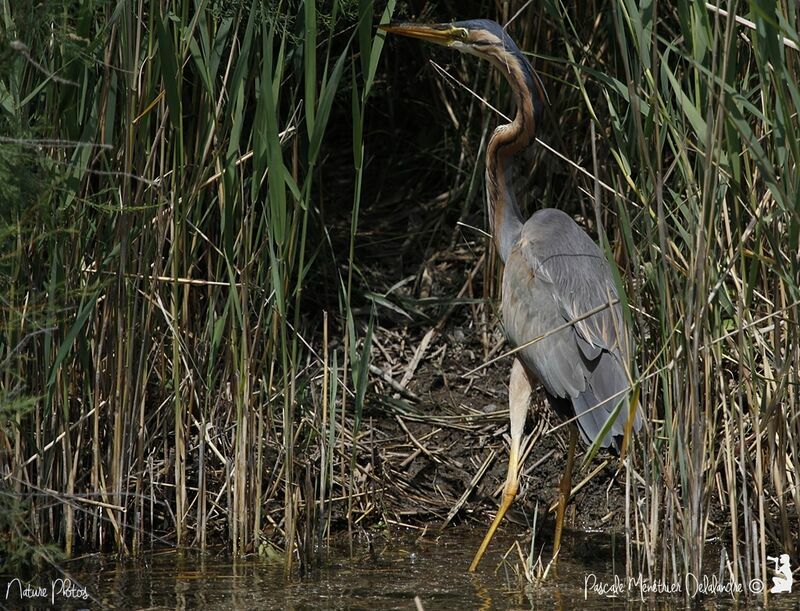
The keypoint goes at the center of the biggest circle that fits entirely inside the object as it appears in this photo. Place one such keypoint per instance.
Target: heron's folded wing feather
(555, 275)
(581, 282)
(534, 322)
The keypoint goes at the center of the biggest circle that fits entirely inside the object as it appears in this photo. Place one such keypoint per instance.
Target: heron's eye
(463, 34)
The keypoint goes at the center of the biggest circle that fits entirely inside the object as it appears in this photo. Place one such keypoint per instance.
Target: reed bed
(237, 235)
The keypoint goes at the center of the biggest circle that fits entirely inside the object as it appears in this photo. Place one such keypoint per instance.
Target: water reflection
(386, 575)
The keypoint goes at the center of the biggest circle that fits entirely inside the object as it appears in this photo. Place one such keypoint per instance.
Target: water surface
(384, 574)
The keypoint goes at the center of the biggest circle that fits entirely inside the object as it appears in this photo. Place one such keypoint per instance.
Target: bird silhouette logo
(782, 580)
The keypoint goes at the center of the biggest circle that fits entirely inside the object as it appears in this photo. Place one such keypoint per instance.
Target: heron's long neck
(505, 219)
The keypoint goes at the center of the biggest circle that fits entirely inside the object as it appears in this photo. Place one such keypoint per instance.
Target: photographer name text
(690, 584)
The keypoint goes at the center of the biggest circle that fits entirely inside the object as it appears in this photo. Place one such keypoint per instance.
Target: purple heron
(560, 305)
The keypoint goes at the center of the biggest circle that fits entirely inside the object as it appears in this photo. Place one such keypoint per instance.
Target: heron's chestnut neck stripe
(505, 218)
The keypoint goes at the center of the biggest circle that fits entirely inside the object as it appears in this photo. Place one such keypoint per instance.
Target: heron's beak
(442, 34)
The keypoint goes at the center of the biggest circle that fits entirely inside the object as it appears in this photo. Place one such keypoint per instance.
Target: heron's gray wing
(531, 314)
(582, 284)
(554, 275)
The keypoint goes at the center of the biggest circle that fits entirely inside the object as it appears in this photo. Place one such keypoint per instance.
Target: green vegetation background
(205, 204)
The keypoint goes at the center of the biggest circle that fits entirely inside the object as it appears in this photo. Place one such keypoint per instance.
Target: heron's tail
(606, 385)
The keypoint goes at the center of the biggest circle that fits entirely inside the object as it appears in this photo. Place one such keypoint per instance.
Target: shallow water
(388, 574)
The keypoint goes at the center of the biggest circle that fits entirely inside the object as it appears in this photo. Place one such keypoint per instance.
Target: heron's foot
(509, 494)
(512, 484)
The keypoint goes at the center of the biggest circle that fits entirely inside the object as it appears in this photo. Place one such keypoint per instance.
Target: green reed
(154, 328)
(697, 122)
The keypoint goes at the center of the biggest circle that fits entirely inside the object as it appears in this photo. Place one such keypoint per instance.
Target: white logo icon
(782, 581)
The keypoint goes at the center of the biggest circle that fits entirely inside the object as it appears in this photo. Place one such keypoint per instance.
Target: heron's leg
(519, 396)
(565, 488)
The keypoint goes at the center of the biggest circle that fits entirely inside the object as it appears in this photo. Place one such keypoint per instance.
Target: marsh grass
(696, 117)
(153, 320)
(188, 308)
(710, 238)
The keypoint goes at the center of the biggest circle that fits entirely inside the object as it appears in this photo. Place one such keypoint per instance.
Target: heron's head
(482, 38)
